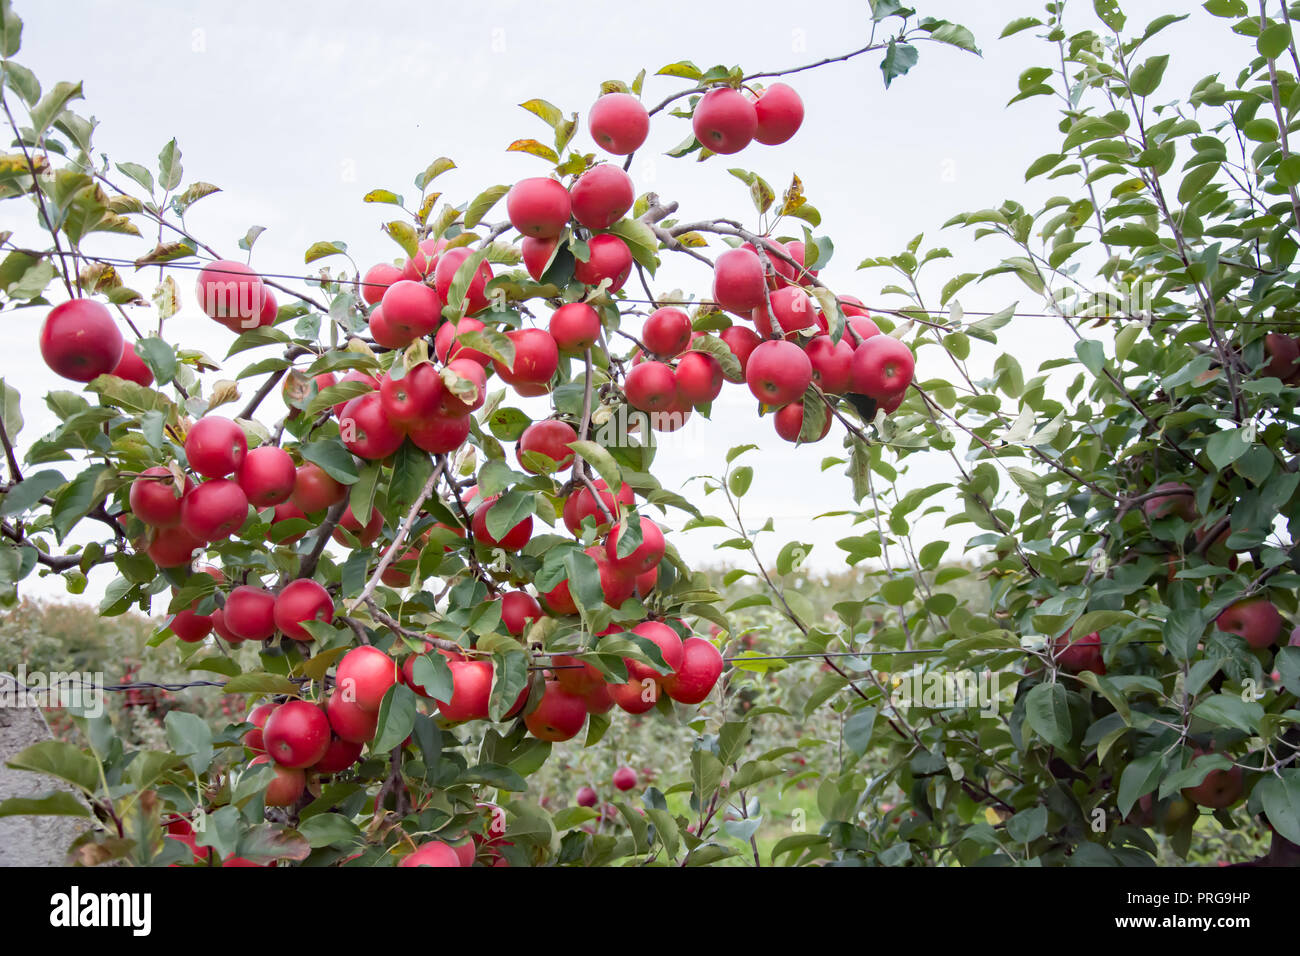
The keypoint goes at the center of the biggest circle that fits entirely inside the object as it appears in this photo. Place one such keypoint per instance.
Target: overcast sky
(297, 110)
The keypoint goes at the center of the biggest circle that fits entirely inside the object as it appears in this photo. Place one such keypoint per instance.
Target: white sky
(296, 110)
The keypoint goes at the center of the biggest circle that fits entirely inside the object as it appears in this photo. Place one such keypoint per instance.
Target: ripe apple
(645, 556)
(267, 475)
(538, 207)
(421, 265)
(651, 387)
(464, 387)
(349, 722)
(354, 376)
(154, 499)
(608, 258)
(446, 348)
(1283, 353)
(512, 541)
(789, 422)
(1078, 655)
(575, 675)
(582, 503)
(471, 683)
(314, 490)
(231, 293)
(667, 332)
(618, 123)
(341, 755)
(780, 114)
(700, 669)
(302, 600)
(793, 309)
(616, 584)
(832, 364)
(215, 509)
(558, 716)
(1220, 788)
(249, 613)
(385, 334)
(288, 511)
(575, 326)
(364, 674)
(377, 280)
(598, 699)
(624, 778)
(172, 547)
(517, 609)
(441, 434)
(882, 367)
(80, 341)
(285, 790)
(669, 644)
(742, 341)
(536, 357)
(559, 600)
(215, 447)
(297, 734)
(646, 581)
(220, 629)
(538, 254)
(257, 717)
(433, 853)
(1256, 619)
(725, 121)
(699, 378)
(783, 272)
(550, 438)
(132, 368)
(366, 430)
(797, 252)
(191, 627)
(778, 372)
(739, 284)
(409, 400)
(601, 196)
(450, 261)
(1180, 501)
(586, 797)
(635, 696)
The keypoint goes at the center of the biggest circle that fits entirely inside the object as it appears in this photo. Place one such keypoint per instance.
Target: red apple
(172, 547)
(1256, 619)
(411, 309)
(258, 717)
(421, 265)
(550, 438)
(154, 499)
(793, 310)
(513, 540)
(538, 254)
(882, 367)
(364, 675)
(832, 364)
(314, 490)
(780, 114)
(742, 341)
(267, 476)
(699, 377)
(285, 790)
(377, 280)
(601, 196)
(651, 387)
(1220, 788)
(302, 600)
(366, 430)
(538, 207)
(778, 373)
(575, 327)
(558, 716)
(409, 400)
(349, 722)
(441, 434)
(132, 368)
(355, 376)
(582, 503)
(645, 556)
(1078, 655)
(700, 669)
(517, 609)
(232, 294)
(446, 347)
(464, 387)
(724, 120)
(297, 734)
(608, 258)
(475, 296)
(215, 447)
(624, 778)
(789, 422)
(1180, 501)
(667, 332)
(433, 853)
(214, 509)
(619, 123)
(586, 797)
(341, 755)
(80, 341)
(739, 284)
(288, 511)
(536, 357)
(249, 613)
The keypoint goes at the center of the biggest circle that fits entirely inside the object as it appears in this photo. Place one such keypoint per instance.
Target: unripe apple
(550, 438)
(366, 430)
(154, 499)
(538, 254)
(302, 600)
(314, 490)
(558, 716)
(80, 341)
(215, 447)
(789, 422)
(215, 509)
(513, 540)
(586, 797)
(448, 263)
(608, 258)
(365, 675)
(618, 123)
(601, 196)
(645, 556)
(699, 377)
(433, 853)
(739, 284)
(132, 368)
(377, 280)
(724, 121)
(624, 778)
(1256, 619)
(297, 734)
(517, 609)
(285, 790)
(882, 367)
(536, 357)
(700, 669)
(778, 373)
(832, 364)
(538, 207)
(249, 613)
(267, 476)
(780, 114)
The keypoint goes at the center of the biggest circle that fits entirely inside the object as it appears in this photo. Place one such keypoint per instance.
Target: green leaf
(740, 480)
(333, 459)
(899, 58)
(58, 758)
(169, 166)
(858, 728)
(1280, 798)
(26, 495)
(1145, 78)
(1273, 42)
(396, 718)
(1225, 447)
(190, 737)
(52, 803)
(481, 205)
(321, 250)
(1110, 13)
(1047, 712)
(1139, 778)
